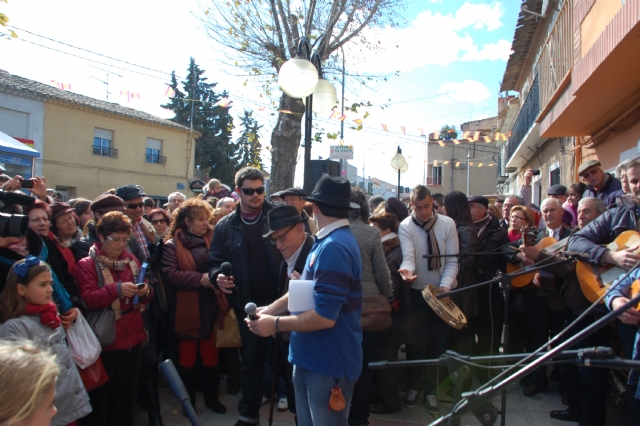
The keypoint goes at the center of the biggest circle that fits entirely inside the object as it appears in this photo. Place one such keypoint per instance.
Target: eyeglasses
(518, 218)
(135, 206)
(587, 173)
(119, 240)
(282, 238)
(251, 191)
(158, 221)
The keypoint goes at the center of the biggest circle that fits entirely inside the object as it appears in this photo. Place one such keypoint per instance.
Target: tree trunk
(285, 141)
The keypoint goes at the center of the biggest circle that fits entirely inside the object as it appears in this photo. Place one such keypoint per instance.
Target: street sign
(341, 152)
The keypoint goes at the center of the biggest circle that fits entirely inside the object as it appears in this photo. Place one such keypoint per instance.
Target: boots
(211, 379)
(148, 386)
(188, 376)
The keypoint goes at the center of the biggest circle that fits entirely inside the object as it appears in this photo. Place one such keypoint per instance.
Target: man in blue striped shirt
(325, 343)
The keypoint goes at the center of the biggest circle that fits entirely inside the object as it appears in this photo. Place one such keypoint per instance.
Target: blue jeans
(313, 391)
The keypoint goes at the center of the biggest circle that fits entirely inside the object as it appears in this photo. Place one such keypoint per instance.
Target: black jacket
(492, 240)
(468, 241)
(298, 267)
(229, 245)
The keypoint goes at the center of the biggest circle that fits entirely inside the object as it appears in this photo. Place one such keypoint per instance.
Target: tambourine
(444, 308)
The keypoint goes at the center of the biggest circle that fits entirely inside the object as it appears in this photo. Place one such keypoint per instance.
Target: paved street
(521, 411)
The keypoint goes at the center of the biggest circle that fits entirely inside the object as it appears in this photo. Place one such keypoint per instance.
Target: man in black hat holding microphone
(333, 325)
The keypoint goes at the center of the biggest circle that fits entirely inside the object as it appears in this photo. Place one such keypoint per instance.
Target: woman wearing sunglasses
(161, 221)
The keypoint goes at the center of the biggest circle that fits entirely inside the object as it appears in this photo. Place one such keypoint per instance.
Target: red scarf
(513, 235)
(66, 253)
(48, 314)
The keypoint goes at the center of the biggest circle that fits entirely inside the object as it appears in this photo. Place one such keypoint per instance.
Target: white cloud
(492, 51)
(432, 38)
(471, 91)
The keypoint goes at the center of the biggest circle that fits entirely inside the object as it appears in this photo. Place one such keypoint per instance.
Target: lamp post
(400, 165)
(301, 78)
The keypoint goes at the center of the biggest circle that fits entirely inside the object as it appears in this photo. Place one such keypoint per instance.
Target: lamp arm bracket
(315, 60)
(304, 42)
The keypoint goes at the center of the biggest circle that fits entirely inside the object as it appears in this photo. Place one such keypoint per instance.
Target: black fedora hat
(282, 217)
(332, 192)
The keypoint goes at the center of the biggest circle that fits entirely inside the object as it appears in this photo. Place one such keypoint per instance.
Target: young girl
(27, 312)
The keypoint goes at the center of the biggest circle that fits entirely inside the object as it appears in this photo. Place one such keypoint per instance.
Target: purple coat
(176, 279)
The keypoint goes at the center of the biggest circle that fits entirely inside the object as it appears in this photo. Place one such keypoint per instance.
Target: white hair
(177, 194)
(600, 206)
(224, 200)
(553, 200)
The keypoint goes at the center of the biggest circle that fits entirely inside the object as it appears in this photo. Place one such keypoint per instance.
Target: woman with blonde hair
(28, 375)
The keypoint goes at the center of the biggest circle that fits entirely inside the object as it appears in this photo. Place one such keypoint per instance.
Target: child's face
(38, 291)
(217, 188)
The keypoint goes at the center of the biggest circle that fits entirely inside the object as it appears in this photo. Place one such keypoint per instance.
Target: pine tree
(248, 144)
(215, 153)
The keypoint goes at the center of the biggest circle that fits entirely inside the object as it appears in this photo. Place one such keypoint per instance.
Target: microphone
(226, 270)
(250, 309)
(143, 271)
(576, 254)
(169, 371)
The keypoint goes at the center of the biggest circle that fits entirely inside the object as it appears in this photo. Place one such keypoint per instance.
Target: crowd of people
(154, 282)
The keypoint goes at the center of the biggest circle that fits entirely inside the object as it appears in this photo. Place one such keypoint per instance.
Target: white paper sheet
(301, 296)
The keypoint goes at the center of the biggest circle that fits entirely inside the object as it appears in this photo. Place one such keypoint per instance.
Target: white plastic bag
(83, 344)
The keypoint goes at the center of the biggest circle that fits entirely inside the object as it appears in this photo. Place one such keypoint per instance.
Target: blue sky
(452, 48)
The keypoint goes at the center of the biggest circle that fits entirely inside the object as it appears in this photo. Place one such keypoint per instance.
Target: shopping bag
(228, 333)
(94, 376)
(83, 343)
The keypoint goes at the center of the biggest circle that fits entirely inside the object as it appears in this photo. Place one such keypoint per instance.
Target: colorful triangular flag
(403, 129)
(169, 92)
(384, 127)
(358, 121)
(224, 102)
(421, 130)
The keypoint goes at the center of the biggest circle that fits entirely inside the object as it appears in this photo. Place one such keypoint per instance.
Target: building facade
(574, 68)
(88, 146)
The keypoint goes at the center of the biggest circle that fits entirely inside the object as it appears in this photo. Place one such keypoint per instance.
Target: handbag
(94, 376)
(229, 336)
(83, 344)
(103, 321)
(376, 313)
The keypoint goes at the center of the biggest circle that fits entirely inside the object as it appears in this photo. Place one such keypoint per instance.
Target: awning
(13, 146)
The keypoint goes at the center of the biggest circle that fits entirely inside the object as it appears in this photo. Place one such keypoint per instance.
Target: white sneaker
(282, 404)
(264, 400)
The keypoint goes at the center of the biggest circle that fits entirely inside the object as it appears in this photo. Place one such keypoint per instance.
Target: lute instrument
(547, 244)
(595, 279)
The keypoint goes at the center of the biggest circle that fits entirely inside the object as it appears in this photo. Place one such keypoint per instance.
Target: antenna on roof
(107, 80)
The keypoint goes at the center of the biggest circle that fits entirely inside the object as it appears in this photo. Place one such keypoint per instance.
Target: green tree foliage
(248, 144)
(448, 132)
(215, 153)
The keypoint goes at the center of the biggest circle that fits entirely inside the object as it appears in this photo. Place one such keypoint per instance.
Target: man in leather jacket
(238, 240)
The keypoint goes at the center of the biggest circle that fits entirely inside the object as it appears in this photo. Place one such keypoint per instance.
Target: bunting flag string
(61, 86)
(128, 95)
(455, 163)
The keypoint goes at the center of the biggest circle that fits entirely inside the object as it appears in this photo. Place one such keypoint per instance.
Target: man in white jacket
(426, 232)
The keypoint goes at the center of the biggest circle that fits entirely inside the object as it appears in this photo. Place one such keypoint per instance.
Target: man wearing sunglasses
(255, 263)
(134, 208)
(599, 184)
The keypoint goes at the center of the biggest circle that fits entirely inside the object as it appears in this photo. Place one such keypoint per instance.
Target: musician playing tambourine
(580, 384)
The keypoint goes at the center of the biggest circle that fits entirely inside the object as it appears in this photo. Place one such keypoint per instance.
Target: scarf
(187, 302)
(48, 314)
(482, 225)
(513, 235)
(107, 277)
(432, 242)
(63, 248)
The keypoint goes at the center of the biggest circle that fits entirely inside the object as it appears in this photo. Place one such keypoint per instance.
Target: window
(554, 174)
(436, 176)
(102, 143)
(153, 152)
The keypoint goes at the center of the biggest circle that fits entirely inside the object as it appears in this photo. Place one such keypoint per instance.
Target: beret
(557, 190)
(588, 164)
(479, 199)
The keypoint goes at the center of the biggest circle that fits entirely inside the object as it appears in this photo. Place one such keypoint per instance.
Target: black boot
(188, 377)
(150, 388)
(211, 379)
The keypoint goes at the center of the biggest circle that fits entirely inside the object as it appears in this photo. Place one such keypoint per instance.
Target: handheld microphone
(250, 309)
(226, 270)
(171, 374)
(576, 254)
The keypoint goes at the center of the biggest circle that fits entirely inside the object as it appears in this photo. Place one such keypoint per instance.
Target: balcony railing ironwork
(526, 118)
(557, 55)
(434, 181)
(157, 159)
(105, 152)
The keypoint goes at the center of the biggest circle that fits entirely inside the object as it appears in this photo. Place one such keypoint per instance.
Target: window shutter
(155, 144)
(103, 134)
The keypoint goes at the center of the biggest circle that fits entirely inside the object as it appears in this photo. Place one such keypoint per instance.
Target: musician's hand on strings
(406, 275)
(624, 258)
(536, 279)
(530, 252)
(521, 257)
(630, 316)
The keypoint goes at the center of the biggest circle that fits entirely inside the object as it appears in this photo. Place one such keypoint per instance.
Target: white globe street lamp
(400, 165)
(298, 77)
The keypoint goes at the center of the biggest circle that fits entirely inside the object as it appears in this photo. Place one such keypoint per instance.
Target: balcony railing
(527, 116)
(156, 159)
(105, 152)
(557, 55)
(434, 181)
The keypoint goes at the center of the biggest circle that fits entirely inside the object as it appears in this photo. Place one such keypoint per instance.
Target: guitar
(547, 245)
(594, 279)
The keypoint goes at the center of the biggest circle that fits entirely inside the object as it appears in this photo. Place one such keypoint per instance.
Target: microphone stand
(478, 399)
(505, 281)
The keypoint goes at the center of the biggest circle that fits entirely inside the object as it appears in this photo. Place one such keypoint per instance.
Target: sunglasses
(135, 206)
(251, 191)
(281, 238)
(158, 221)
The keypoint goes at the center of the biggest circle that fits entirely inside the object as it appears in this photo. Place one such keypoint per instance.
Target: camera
(13, 225)
(536, 172)
(26, 183)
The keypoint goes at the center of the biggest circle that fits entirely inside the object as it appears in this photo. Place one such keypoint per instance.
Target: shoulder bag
(102, 321)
